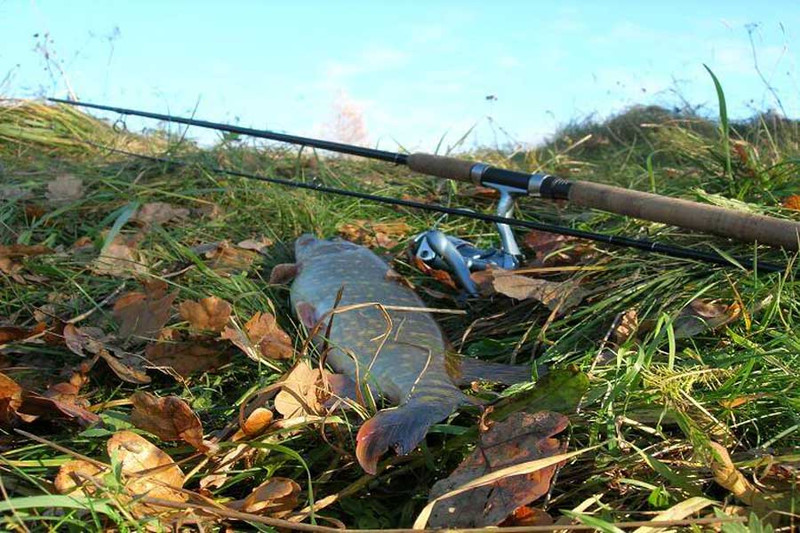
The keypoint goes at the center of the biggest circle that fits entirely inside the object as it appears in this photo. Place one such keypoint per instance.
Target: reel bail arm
(460, 257)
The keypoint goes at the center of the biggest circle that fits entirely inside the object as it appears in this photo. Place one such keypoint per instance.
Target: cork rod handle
(738, 225)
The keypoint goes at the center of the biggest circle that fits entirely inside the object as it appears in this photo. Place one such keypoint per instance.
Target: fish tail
(401, 428)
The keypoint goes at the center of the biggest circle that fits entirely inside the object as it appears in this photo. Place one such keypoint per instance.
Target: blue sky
(414, 70)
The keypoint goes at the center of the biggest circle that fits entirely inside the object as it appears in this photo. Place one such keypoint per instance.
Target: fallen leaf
(159, 213)
(729, 477)
(439, 275)
(13, 192)
(148, 471)
(521, 438)
(36, 405)
(120, 258)
(64, 189)
(275, 497)
(261, 337)
(257, 421)
(78, 475)
(626, 328)
(563, 295)
(702, 315)
(552, 249)
(209, 314)
(527, 516)
(12, 257)
(143, 314)
(302, 392)
(283, 273)
(369, 233)
(84, 341)
(257, 245)
(792, 202)
(14, 333)
(18, 404)
(169, 418)
(172, 353)
(225, 259)
(10, 400)
(219, 475)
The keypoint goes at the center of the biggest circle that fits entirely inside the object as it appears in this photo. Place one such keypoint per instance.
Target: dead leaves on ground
(372, 234)
(209, 314)
(144, 314)
(261, 337)
(169, 418)
(60, 402)
(226, 259)
(146, 471)
(560, 295)
(521, 438)
(64, 189)
(12, 259)
(88, 342)
(303, 391)
(121, 258)
(159, 213)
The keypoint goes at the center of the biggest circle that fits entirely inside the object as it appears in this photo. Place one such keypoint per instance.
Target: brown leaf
(275, 497)
(369, 233)
(185, 358)
(792, 202)
(439, 275)
(626, 328)
(302, 393)
(527, 516)
(261, 337)
(12, 257)
(169, 418)
(159, 213)
(259, 245)
(523, 437)
(225, 259)
(148, 471)
(702, 315)
(143, 314)
(78, 475)
(10, 400)
(283, 273)
(552, 249)
(257, 421)
(64, 189)
(14, 333)
(563, 295)
(83, 341)
(36, 405)
(120, 259)
(209, 314)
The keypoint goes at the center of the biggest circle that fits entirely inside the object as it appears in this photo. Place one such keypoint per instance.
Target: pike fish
(405, 359)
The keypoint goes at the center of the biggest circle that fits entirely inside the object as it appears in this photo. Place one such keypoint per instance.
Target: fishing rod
(747, 227)
(641, 244)
(457, 255)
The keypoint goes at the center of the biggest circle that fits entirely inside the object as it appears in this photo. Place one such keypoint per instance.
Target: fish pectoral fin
(465, 370)
(283, 273)
(401, 428)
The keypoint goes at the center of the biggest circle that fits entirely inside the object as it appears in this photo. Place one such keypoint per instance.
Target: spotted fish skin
(405, 364)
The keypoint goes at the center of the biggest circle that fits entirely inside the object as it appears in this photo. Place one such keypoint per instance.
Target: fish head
(307, 246)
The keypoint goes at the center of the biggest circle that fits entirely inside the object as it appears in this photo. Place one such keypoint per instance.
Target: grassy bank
(664, 385)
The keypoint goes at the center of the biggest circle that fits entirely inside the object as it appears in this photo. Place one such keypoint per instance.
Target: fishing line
(641, 244)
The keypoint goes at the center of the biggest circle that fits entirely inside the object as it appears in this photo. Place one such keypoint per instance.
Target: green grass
(652, 404)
